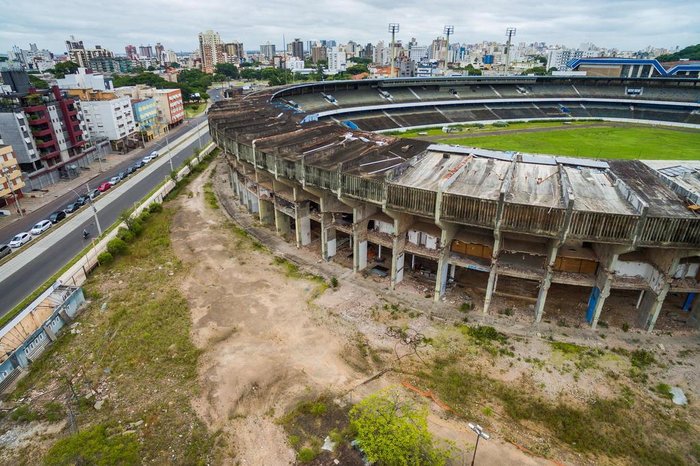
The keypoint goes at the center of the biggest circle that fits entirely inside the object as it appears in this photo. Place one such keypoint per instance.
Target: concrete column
(267, 212)
(282, 224)
(303, 223)
(603, 283)
(402, 222)
(360, 216)
(49, 333)
(328, 240)
(694, 317)
(493, 273)
(448, 233)
(666, 263)
(546, 282)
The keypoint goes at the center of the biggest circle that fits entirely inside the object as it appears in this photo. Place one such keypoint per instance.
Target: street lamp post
(480, 434)
(167, 148)
(94, 209)
(6, 172)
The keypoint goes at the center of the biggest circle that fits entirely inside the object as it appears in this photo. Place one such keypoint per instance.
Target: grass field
(192, 110)
(608, 142)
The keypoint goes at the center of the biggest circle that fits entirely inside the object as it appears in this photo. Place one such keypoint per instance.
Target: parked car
(20, 239)
(139, 163)
(5, 250)
(93, 194)
(123, 175)
(40, 227)
(146, 159)
(70, 208)
(82, 200)
(104, 186)
(57, 216)
(114, 180)
(155, 154)
(131, 170)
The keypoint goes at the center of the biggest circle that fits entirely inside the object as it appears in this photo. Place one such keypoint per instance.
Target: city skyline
(617, 24)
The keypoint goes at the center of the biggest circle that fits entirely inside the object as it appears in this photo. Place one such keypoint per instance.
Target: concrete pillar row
(402, 223)
(493, 273)
(302, 220)
(694, 317)
(328, 237)
(267, 212)
(282, 224)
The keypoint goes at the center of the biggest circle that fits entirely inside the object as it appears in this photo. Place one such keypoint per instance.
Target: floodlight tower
(510, 33)
(393, 29)
(448, 31)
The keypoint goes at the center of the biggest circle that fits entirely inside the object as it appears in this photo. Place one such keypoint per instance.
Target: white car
(40, 227)
(146, 159)
(114, 180)
(154, 155)
(20, 239)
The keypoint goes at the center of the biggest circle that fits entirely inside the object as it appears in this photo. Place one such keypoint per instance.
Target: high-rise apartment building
(318, 54)
(297, 48)
(81, 55)
(159, 52)
(131, 52)
(210, 50)
(146, 51)
(268, 50)
(336, 60)
(233, 52)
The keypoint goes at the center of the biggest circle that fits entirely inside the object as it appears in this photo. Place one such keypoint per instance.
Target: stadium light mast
(510, 33)
(393, 29)
(448, 30)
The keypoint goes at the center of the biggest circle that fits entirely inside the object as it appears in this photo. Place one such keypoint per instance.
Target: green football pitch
(605, 141)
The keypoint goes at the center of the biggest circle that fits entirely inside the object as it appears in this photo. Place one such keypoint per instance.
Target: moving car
(20, 239)
(5, 250)
(70, 208)
(104, 186)
(57, 216)
(40, 227)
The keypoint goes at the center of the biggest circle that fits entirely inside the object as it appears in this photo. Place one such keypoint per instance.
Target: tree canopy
(61, 69)
(189, 82)
(228, 69)
(692, 52)
(395, 432)
(37, 82)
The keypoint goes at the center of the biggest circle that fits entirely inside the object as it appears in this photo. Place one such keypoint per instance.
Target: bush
(155, 208)
(334, 282)
(642, 358)
(306, 455)
(116, 246)
(625, 327)
(125, 235)
(105, 258)
(136, 227)
(54, 412)
(23, 413)
(94, 446)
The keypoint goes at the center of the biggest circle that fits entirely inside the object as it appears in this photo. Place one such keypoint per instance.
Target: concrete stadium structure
(303, 159)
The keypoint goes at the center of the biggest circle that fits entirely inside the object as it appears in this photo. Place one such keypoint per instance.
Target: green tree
(361, 61)
(228, 69)
(357, 69)
(37, 82)
(63, 68)
(536, 70)
(395, 432)
(692, 52)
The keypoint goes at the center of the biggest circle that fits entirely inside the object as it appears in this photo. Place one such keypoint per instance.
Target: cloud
(622, 24)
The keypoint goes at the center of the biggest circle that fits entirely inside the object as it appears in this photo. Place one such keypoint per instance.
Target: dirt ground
(268, 343)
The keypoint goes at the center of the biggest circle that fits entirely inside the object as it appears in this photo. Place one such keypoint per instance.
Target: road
(19, 281)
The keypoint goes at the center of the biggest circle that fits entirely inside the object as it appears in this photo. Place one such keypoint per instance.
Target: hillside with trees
(692, 52)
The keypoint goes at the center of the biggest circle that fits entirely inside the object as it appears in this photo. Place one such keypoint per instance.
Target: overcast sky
(622, 24)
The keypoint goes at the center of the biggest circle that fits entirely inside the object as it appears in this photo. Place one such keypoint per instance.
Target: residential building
(297, 48)
(112, 65)
(146, 117)
(294, 64)
(558, 58)
(159, 52)
(110, 118)
(11, 182)
(268, 50)
(233, 52)
(336, 61)
(171, 110)
(81, 55)
(210, 50)
(131, 52)
(84, 80)
(367, 51)
(318, 54)
(146, 51)
(32, 59)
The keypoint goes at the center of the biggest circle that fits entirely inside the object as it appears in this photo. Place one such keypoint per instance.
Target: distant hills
(692, 52)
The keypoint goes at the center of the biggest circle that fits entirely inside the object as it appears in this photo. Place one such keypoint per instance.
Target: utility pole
(94, 209)
(167, 149)
(393, 29)
(448, 30)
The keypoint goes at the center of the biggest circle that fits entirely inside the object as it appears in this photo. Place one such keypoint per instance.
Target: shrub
(155, 208)
(466, 307)
(306, 455)
(318, 409)
(116, 246)
(23, 413)
(125, 235)
(136, 227)
(625, 327)
(105, 258)
(642, 358)
(54, 412)
(334, 282)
